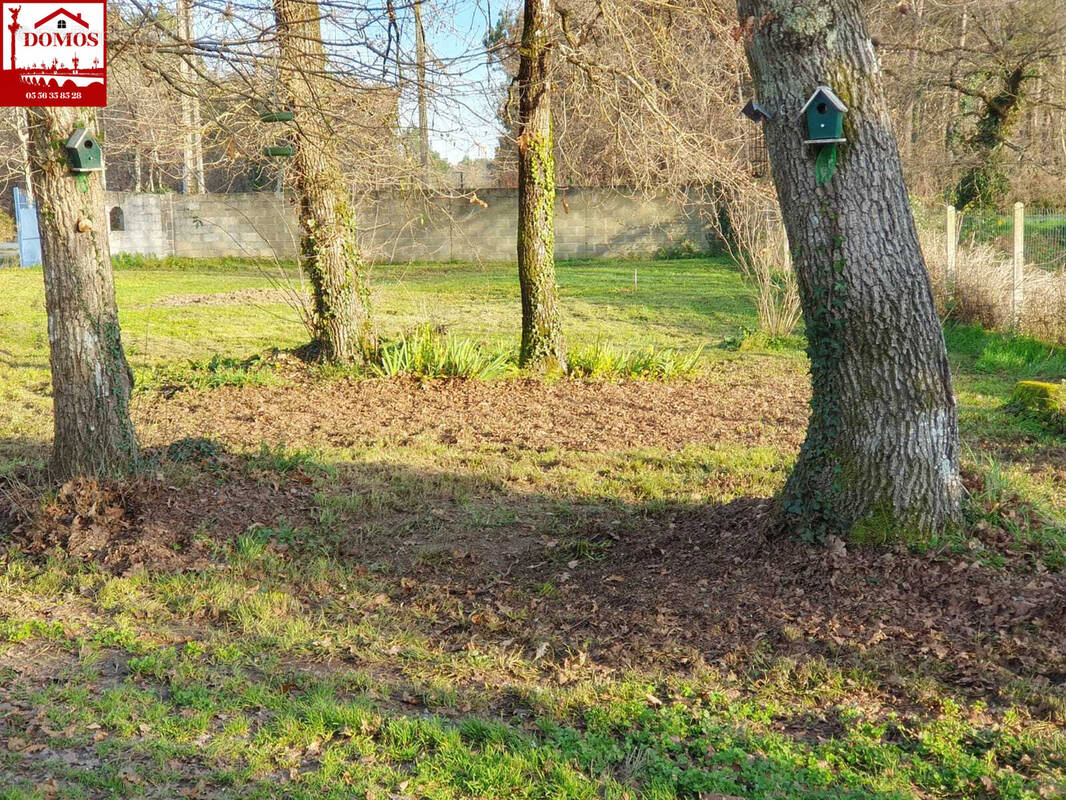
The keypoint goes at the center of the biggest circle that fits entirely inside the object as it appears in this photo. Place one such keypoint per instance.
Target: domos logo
(53, 53)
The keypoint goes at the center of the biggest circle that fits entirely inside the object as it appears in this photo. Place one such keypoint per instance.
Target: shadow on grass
(338, 629)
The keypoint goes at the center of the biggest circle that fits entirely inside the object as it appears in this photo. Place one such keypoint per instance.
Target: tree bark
(23, 126)
(881, 456)
(542, 335)
(330, 255)
(91, 380)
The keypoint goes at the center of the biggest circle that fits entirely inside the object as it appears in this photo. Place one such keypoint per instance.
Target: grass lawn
(327, 586)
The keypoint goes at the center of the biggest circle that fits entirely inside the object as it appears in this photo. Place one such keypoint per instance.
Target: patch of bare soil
(147, 524)
(714, 586)
(733, 404)
(236, 297)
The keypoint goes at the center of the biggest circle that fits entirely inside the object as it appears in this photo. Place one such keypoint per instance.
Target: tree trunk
(192, 181)
(881, 457)
(23, 126)
(542, 335)
(423, 112)
(91, 380)
(985, 182)
(910, 110)
(330, 254)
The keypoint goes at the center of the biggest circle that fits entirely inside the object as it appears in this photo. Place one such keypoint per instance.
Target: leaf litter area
(411, 489)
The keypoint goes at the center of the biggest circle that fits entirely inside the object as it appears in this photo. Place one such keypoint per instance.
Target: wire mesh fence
(1043, 236)
(1045, 241)
(986, 228)
(1004, 271)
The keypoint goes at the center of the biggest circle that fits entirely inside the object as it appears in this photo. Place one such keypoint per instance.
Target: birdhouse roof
(77, 137)
(827, 94)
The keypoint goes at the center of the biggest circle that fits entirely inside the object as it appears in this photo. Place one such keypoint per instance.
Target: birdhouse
(824, 115)
(83, 152)
(755, 112)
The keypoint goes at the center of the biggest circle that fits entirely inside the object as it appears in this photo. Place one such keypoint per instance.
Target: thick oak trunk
(330, 254)
(881, 455)
(91, 380)
(542, 333)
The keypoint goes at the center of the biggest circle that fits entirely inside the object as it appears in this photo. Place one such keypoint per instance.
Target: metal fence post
(952, 240)
(1017, 296)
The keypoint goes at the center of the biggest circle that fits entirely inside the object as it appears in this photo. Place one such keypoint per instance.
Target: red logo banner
(53, 53)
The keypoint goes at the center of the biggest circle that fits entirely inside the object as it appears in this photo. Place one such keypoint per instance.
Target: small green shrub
(213, 373)
(193, 449)
(686, 248)
(426, 353)
(7, 228)
(606, 361)
(283, 459)
(752, 339)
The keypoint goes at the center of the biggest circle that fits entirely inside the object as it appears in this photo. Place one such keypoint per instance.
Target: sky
(462, 87)
(462, 117)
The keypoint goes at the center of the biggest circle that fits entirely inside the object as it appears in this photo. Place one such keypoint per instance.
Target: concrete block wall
(396, 228)
(143, 229)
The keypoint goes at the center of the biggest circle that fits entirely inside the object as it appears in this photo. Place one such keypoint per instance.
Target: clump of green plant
(193, 449)
(606, 361)
(283, 459)
(427, 353)
(212, 373)
(752, 339)
(7, 228)
(686, 248)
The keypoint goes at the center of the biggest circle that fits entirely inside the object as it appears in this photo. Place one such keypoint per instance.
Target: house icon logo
(53, 53)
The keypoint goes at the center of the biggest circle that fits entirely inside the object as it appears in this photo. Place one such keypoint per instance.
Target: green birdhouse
(824, 115)
(83, 152)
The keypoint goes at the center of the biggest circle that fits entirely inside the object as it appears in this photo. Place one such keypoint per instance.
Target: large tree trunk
(881, 457)
(91, 380)
(330, 254)
(542, 333)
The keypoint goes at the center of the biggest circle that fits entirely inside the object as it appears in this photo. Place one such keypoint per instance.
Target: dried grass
(983, 291)
(756, 240)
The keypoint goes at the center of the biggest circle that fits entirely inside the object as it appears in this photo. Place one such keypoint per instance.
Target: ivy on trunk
(542, 333)
(329, 251)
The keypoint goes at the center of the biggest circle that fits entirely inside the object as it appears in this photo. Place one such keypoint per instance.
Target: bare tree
(192, 180)
(91, 380)
(882, 449)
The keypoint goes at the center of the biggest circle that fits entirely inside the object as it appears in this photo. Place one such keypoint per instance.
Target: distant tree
(91, 380)
(542, 333)
(1011, 47)
(882, 447)
(978, 88)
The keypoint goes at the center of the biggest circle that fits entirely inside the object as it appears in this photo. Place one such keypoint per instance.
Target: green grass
(306, 683)
(288, 667)
(679, 305)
